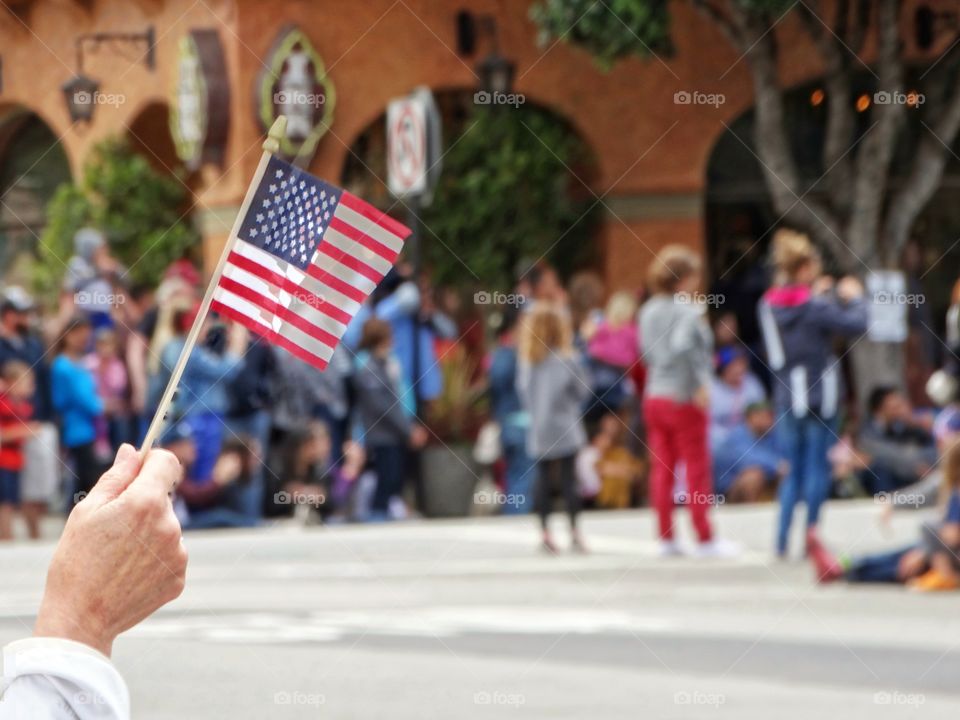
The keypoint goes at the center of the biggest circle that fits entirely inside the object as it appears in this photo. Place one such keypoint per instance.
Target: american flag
(305, 258)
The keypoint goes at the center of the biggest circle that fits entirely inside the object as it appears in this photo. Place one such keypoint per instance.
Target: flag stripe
(357, 235)
(368, 257)
(272, 306)
(381, 219)
(300, 291)
(330, 272)
(349, 261)
(269, 334)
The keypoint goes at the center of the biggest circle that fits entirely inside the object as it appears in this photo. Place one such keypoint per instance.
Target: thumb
(115, 480)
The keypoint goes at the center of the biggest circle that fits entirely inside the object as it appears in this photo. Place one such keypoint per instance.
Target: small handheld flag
(301, 259)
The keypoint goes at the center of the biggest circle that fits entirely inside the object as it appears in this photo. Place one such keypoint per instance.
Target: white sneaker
(718, 548)
(670, 548)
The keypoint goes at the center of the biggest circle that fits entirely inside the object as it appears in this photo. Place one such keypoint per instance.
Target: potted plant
(448, 472)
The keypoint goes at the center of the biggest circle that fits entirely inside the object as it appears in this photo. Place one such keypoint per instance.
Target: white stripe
(259, 317)
(349, 276)
(368, 227)
(831, 390)
(771, 337)
(351, 247)
(293, 273)
(299, 305)
(798, 390)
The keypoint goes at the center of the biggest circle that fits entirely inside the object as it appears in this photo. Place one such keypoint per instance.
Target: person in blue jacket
(800, 317)
(74, 394)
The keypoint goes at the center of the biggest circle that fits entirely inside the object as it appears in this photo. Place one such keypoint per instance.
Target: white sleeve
(56, 679)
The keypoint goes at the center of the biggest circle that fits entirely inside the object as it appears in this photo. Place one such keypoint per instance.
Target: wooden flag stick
(270, 146)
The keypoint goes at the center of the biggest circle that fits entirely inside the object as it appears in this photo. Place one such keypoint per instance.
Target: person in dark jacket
(800, 318)
(384, 410)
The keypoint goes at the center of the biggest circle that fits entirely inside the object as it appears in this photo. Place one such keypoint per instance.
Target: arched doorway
(33, 164)
(519, 172)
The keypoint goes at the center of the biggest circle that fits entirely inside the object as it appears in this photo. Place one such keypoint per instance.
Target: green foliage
(505, 195)
(607, 29)
(141, 211)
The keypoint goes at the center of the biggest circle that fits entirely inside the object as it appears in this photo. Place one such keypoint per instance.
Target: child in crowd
(931, 565)
(607, 472)
(16, 411)
(613, 351)
(110, 373)
(676, 347)
(552, 386)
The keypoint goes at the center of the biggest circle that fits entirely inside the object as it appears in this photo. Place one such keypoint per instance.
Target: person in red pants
(676, 347)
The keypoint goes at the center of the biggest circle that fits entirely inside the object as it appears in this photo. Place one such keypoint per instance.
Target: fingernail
(124, 453)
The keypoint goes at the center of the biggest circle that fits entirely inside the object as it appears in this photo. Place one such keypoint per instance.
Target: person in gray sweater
(676, 347)
(553, 387)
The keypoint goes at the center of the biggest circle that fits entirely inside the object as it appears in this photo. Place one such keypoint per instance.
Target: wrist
(79, 627)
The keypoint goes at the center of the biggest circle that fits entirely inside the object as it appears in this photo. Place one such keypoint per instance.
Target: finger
(115, 480)
(160, 473)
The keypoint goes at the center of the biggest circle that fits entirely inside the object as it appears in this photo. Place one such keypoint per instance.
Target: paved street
(464, 619)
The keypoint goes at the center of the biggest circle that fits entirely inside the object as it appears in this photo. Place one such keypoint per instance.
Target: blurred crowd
(600, 399)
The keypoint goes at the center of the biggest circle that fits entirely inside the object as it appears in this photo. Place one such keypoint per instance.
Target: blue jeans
(256, 427)
(519, 476)
(804, 441)
(877, 568)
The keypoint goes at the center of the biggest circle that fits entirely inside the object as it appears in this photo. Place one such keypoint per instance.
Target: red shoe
(825, 564)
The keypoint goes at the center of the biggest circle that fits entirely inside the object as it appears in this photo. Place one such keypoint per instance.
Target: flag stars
(279, 174)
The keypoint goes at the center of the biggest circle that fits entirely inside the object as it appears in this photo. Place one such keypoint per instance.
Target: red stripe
(281, 312)
(336, 283)
(361, 237)
(349, 261)
(374, 215)
(303, 295)
(271, 335)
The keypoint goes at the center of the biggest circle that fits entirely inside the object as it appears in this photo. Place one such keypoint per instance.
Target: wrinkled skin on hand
(121, 555)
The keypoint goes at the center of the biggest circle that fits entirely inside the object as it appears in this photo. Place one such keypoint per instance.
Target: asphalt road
(465, 619)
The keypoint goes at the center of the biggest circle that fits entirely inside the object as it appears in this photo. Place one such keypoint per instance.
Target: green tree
(143, 213)
(507, 193)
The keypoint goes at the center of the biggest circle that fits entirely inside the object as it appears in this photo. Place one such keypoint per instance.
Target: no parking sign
(413, 139)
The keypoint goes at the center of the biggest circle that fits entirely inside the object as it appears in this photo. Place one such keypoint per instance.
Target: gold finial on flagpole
(278, 131)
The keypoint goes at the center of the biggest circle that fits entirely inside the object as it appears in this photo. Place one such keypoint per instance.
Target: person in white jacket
(119, 559)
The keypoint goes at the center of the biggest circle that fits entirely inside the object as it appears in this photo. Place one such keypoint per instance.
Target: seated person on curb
(900, 446)
(734, 388)
(747, 466)
(931, 564)
(213, 503)
(120, 558)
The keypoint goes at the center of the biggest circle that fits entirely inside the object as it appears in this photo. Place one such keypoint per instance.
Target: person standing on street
(800, 317)
(676, 347)
(553, 387)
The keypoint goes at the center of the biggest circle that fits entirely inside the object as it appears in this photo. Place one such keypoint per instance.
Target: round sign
(407, 148)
